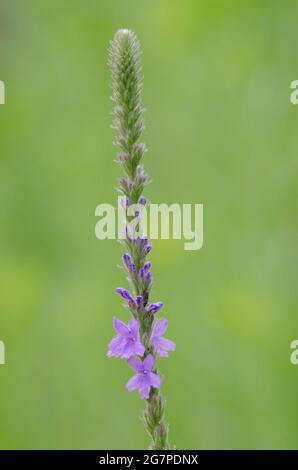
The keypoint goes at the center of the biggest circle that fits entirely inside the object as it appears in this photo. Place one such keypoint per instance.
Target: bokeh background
(221, 131)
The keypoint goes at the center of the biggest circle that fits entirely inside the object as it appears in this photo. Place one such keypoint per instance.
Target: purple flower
(139, 301)
(144, 241)
(124, 294)
(132, 267)
(124, 201)
(147, 266)
(145, 378)
(123, 183)
(127, 341)
(155, 307)
(148, 249)
(141, 273)
(148, 278)
(142, 200)
(161, 346)
(126, 258)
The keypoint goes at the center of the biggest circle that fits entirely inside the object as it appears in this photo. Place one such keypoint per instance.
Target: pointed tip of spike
(123, 32)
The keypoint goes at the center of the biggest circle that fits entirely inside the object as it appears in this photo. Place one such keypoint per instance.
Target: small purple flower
(124, 186)
(124, 232)
(142, 200)
(127, 341)
(125, 294)
(141, 273)
(147, 266)
(132, 238)
(161, 346)
(132, 267)
(148, 249)
(126, 258)
(124, 202)
(148, 278)
(155, 307)
(145, 378)
(144, 240)
(139, 301)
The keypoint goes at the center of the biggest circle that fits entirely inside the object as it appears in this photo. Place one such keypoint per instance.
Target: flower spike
(139, 341)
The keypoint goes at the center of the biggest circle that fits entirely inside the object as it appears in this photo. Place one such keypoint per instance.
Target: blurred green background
(221, 131)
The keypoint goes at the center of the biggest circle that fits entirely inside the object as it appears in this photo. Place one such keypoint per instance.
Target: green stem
(153, 421)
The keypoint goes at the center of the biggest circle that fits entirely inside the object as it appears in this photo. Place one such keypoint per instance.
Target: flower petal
(124, 294)
(132, 347)
(128, 349)
(159, 327)
(148, 362)
(135, 364)
(144, 391)
(155, 307)
(167, 344)
(120, 327)
(162, 345)
(133, 383)
(160, 352)
(134, 326)
(139, 348)
(155, 380)
(115, 347)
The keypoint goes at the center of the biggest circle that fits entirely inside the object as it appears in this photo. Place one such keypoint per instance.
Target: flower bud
(155, 307)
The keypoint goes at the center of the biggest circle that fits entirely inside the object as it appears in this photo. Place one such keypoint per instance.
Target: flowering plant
(141, 340)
